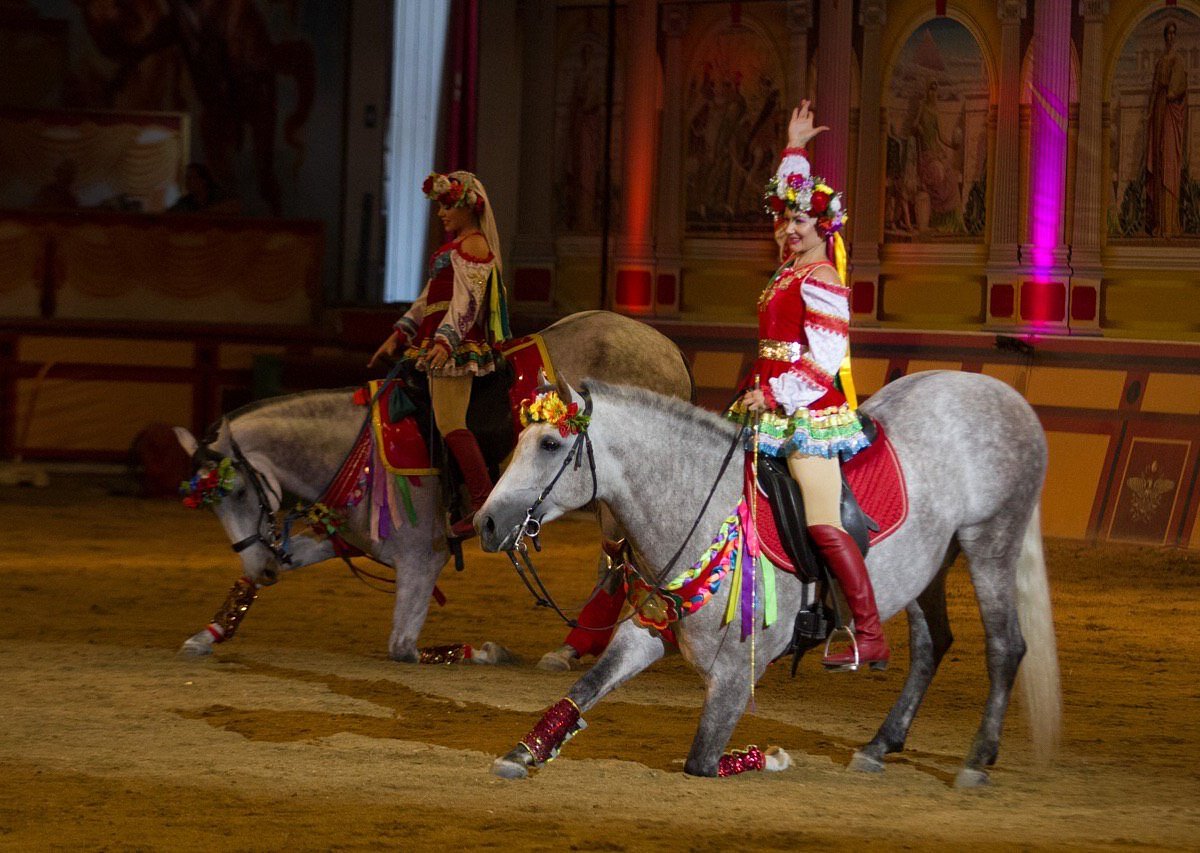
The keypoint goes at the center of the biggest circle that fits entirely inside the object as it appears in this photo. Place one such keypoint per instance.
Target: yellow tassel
(840, 262)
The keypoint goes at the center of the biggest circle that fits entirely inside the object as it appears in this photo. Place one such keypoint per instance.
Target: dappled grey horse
(974, 458)
(296, 444)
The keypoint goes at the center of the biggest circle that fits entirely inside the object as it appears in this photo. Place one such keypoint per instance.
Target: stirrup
(841, 667)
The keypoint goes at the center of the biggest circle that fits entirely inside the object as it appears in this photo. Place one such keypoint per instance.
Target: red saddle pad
(875, 477)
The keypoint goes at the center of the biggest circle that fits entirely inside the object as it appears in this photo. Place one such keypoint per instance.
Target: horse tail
(296, 59)
(1038, 675)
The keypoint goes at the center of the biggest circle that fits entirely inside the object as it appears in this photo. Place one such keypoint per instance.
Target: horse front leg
(417, 572)
(632, 650)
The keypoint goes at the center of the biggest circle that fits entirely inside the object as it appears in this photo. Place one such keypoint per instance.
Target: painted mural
(260, 79)
(937, 109)
(734, 124)
(1154, 134)
(579, 119)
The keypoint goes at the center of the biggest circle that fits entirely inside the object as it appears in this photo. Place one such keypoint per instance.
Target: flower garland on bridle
(808, 195)
(452, 192)
(208, 486)
(549, 408)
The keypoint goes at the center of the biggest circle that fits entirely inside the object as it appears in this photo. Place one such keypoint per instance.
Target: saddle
(493, 414)
(784, 534)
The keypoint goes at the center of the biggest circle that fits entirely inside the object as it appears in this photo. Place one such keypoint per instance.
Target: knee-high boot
(474, 469)
(846, 563)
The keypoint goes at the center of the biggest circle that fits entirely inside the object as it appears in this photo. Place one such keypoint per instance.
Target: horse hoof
(863, 763)
(971, 778)
(514, 765)
(560, 660)
(776, 759)
(198, 646)
(493, 653)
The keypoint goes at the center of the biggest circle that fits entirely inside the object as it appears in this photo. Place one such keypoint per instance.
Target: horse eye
(551, 444)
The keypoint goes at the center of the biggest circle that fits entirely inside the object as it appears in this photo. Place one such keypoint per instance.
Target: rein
(280, 530)
(531, 527)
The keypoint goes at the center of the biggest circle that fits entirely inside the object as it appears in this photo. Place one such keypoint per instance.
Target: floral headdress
(802, 192)
(453, 191)
(548, 408)
(208, 486)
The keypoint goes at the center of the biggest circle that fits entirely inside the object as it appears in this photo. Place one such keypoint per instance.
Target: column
(532, 279)
(1042, 305)
(799, 22)
(634, 290)
(865, 216)
(670, 218)
(1086, 268)
(1004, 217)
(835, 53)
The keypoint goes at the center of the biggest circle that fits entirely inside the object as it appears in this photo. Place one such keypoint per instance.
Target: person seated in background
(59, 193)
(204, 194)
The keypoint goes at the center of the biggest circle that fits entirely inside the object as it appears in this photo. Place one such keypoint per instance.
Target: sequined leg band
(446, 654)
(557, 726)
(735, 762)
(225, 623)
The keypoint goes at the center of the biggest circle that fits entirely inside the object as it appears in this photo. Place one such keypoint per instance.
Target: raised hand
(800, 128)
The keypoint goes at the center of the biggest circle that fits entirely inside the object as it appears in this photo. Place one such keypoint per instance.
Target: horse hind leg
(992, 555)
(929, 640)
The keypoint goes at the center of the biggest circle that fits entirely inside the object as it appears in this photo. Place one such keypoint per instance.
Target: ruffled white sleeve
(827, 330)
(470, 288)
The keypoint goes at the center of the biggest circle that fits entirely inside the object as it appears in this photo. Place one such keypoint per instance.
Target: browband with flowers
(548, 408)
(452, 192)
(207, 487)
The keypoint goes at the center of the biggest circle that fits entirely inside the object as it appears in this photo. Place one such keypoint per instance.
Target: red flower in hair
(777, 204)
(478, 205)
(820, 201)
(454, 194)
(427, 186)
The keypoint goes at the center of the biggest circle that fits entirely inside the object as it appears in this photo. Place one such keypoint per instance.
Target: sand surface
(300, 734)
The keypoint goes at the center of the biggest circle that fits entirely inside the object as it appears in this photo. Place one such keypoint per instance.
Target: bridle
(276, 539)
(531, 527)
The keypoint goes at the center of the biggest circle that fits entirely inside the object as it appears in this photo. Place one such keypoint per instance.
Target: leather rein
(531, 527)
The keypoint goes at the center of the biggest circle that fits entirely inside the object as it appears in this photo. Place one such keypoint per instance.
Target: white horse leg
(632, 650)
(929, 639)
(198, 645)
(416, 574)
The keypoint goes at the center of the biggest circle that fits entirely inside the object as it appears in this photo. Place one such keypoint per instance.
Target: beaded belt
(780, 350)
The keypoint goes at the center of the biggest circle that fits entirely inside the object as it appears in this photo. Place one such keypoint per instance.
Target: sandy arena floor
(301, 735)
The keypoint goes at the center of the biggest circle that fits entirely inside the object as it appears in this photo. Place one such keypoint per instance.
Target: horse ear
(565, 391)
(543, 384)
(186, 440)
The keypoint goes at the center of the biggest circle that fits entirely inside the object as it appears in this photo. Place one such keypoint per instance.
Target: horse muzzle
(493, 536)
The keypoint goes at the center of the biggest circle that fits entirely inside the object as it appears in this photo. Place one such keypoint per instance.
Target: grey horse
(297, 442)
(974, 458)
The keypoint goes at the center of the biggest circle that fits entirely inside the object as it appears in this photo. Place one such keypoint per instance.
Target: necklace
(783, 277)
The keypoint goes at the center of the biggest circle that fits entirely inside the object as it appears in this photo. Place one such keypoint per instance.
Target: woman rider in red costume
(451, 327)
(802, 411)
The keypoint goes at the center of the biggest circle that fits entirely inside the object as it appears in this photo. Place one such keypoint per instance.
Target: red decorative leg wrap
(735, 762)
(557, 726)
(226, 620)
(597, 621)
(446, 654)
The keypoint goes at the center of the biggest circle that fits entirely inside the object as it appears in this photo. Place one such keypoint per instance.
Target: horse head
(243, 491)
(551, 471)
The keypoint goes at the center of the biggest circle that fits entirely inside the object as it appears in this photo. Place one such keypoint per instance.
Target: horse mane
(653, 403)
(211, 433)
